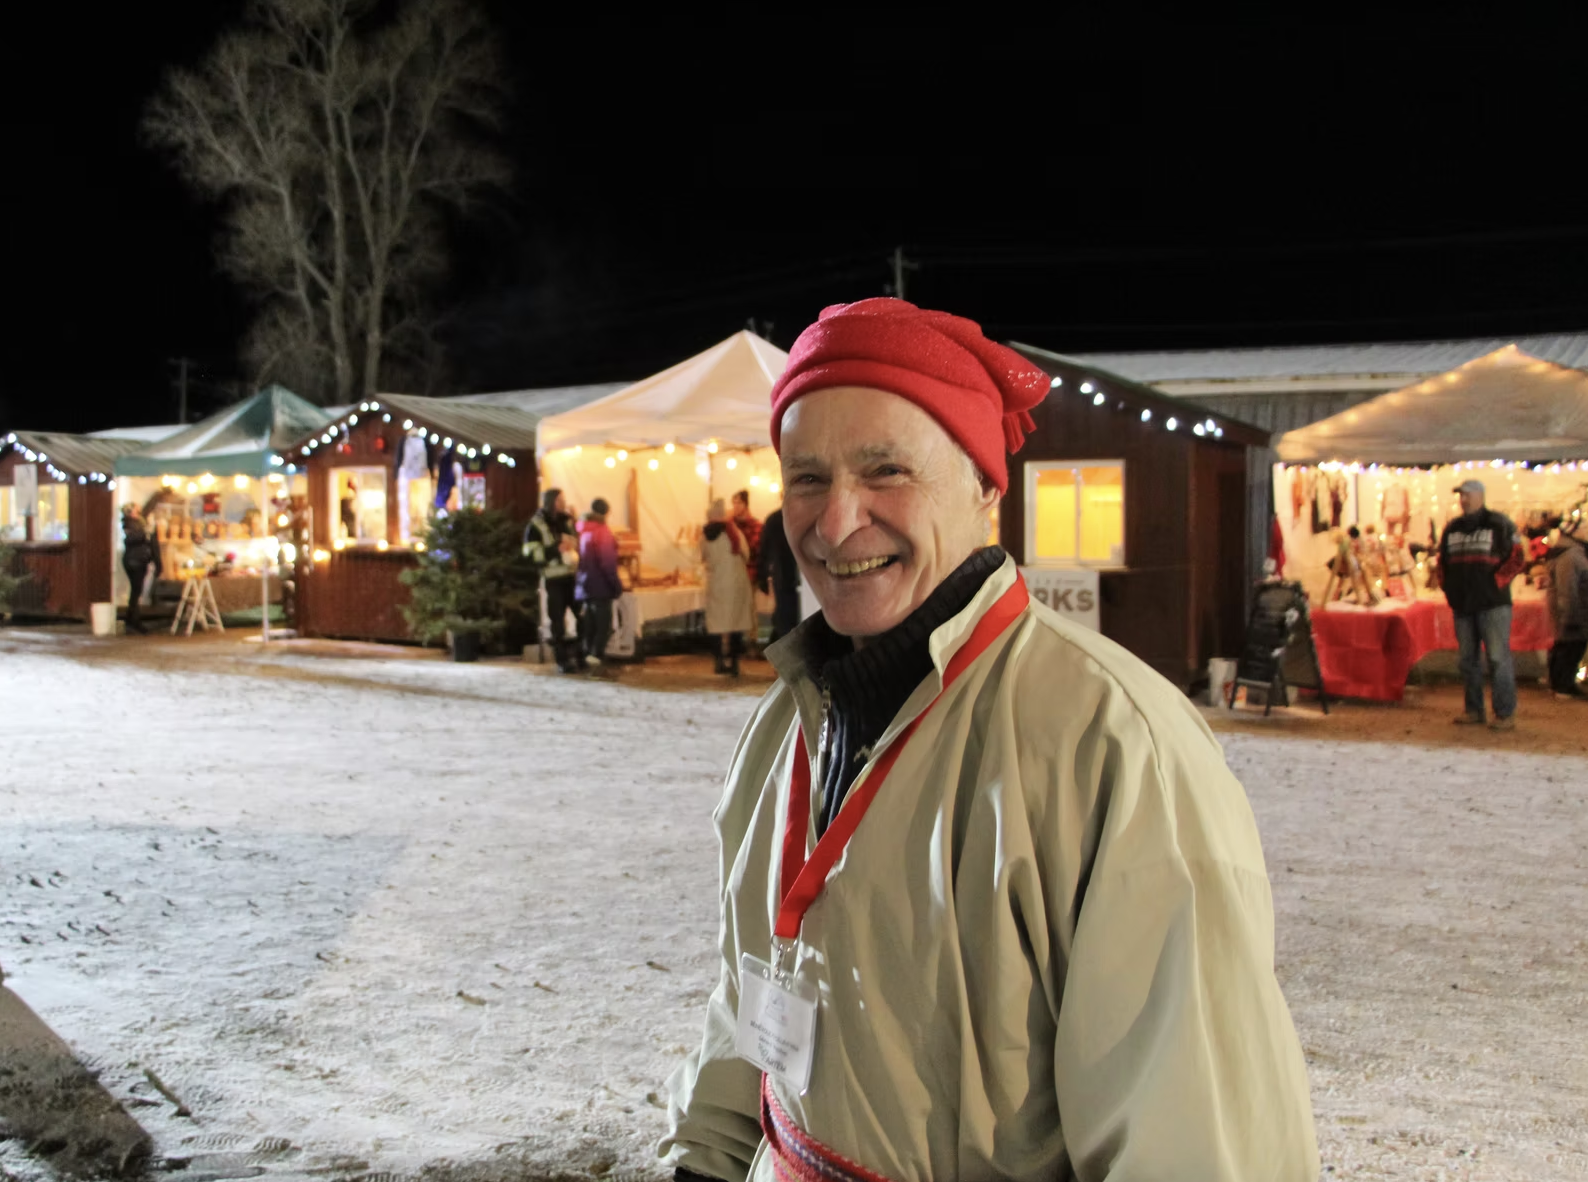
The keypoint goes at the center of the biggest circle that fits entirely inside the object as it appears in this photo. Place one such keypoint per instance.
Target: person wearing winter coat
(139, 552)
(597, 583)
(780, 575)
(551, 542)
(1480, 554)
(991, 904)
(730, 599)
(750, 530)
(1568, 610)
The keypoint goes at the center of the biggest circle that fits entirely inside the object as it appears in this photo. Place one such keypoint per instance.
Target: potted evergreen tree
(470, 576)
(9, 578)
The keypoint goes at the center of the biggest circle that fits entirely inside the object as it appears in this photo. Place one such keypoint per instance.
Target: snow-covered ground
(404, 916)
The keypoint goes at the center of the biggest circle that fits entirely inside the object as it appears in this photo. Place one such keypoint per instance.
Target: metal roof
(505, 428)
(78, 455)
(550, 400)
(1137, 395)
(140, 434)
(1418, 358)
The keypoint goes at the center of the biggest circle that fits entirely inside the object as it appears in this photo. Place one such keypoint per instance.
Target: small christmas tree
(9, 578)
(470, 575)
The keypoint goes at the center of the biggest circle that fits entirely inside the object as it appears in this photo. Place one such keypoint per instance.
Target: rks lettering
(1061, 601)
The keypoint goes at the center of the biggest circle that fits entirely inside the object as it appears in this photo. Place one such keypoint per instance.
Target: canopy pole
(268, 528)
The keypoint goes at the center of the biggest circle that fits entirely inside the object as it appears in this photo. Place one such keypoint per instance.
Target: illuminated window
(1075, 514)
(13, 528)
(53, 522)
(358, 504)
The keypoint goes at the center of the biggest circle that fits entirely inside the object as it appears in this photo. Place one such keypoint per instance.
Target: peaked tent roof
(1507, 405)
(238, 439)
(77, 455)
(721, 394)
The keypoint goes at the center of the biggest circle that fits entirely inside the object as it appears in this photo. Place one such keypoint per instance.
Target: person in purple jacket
(597, 583)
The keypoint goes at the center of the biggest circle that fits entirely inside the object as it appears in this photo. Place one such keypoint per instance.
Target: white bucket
(1221, 671)
(102, 616)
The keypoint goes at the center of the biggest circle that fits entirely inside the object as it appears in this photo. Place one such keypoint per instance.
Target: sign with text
(1071, 593)
(26, 479)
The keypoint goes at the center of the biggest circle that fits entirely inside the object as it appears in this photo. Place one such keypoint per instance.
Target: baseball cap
(1471, 486)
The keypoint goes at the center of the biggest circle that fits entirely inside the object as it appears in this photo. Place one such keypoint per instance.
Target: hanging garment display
(413, 463)
(447, 477)
(1337, 491)
(1397, 509)
(1318, 486)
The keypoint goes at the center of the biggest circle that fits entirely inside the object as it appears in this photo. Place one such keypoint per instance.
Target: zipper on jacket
(819, 772)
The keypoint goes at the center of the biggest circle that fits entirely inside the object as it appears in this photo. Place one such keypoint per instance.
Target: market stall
(1363, 497)
(217, 494)
(659, 452)
(1127, 509)
(58, 512)
(375, 474)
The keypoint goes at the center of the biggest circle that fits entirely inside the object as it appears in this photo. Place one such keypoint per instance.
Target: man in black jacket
(1480, 553)
(552, 543)
(778, 573)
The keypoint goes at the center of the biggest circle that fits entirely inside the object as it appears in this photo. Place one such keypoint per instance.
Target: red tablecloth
(1367, 654)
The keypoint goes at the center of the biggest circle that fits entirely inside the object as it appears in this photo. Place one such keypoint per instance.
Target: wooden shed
(1151, 496)
(64, 537)
(373, 478)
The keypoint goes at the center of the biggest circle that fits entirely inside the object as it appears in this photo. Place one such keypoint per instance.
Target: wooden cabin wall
(1217, 522)
(356, 593)
(1167, 606)
(65, 577)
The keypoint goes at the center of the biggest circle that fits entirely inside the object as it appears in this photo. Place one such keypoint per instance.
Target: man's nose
(844, 511)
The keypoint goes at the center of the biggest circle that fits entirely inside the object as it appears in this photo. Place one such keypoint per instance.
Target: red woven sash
(799, 1157)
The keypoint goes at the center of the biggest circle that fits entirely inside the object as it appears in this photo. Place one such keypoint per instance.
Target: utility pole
(900, 266)
(181, 364)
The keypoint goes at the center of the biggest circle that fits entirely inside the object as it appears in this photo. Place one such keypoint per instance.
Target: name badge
(777, 1022)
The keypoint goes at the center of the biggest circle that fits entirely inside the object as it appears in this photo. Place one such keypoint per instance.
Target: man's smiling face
(879, 503)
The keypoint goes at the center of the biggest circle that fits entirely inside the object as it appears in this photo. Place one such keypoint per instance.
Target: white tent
(1514, 421)
(1504, 406)
(660, 450)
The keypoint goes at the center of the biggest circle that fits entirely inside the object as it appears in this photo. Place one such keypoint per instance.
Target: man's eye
(887, 470)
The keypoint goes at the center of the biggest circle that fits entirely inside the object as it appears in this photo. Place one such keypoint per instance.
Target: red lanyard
(802, 878)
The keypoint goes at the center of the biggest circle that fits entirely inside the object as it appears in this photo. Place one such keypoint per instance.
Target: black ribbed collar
(878, 678)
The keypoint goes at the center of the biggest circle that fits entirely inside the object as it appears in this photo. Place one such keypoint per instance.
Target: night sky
(1141, 186)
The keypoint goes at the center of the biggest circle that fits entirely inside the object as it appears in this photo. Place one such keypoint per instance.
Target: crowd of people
(578, 562)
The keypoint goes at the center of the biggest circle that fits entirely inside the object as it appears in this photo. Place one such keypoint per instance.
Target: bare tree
(336, 133)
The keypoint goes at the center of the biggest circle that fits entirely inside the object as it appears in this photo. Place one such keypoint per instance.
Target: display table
(1367, 652)
(650, 603)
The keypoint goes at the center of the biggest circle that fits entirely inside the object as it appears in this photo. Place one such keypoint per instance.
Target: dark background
(1079, 188)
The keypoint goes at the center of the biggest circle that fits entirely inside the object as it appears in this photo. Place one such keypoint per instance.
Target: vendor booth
(374, 475)
(1362, 498)
(58, 513)
(216, 495)
(659, 452)
(1128, 511)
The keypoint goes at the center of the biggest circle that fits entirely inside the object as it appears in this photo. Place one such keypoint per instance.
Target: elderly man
(992, 904)
(1480, 553)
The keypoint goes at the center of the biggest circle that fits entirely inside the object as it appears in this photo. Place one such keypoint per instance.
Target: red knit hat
(979, 391)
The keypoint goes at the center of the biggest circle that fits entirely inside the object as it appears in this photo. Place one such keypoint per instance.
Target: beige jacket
(1047, 952)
